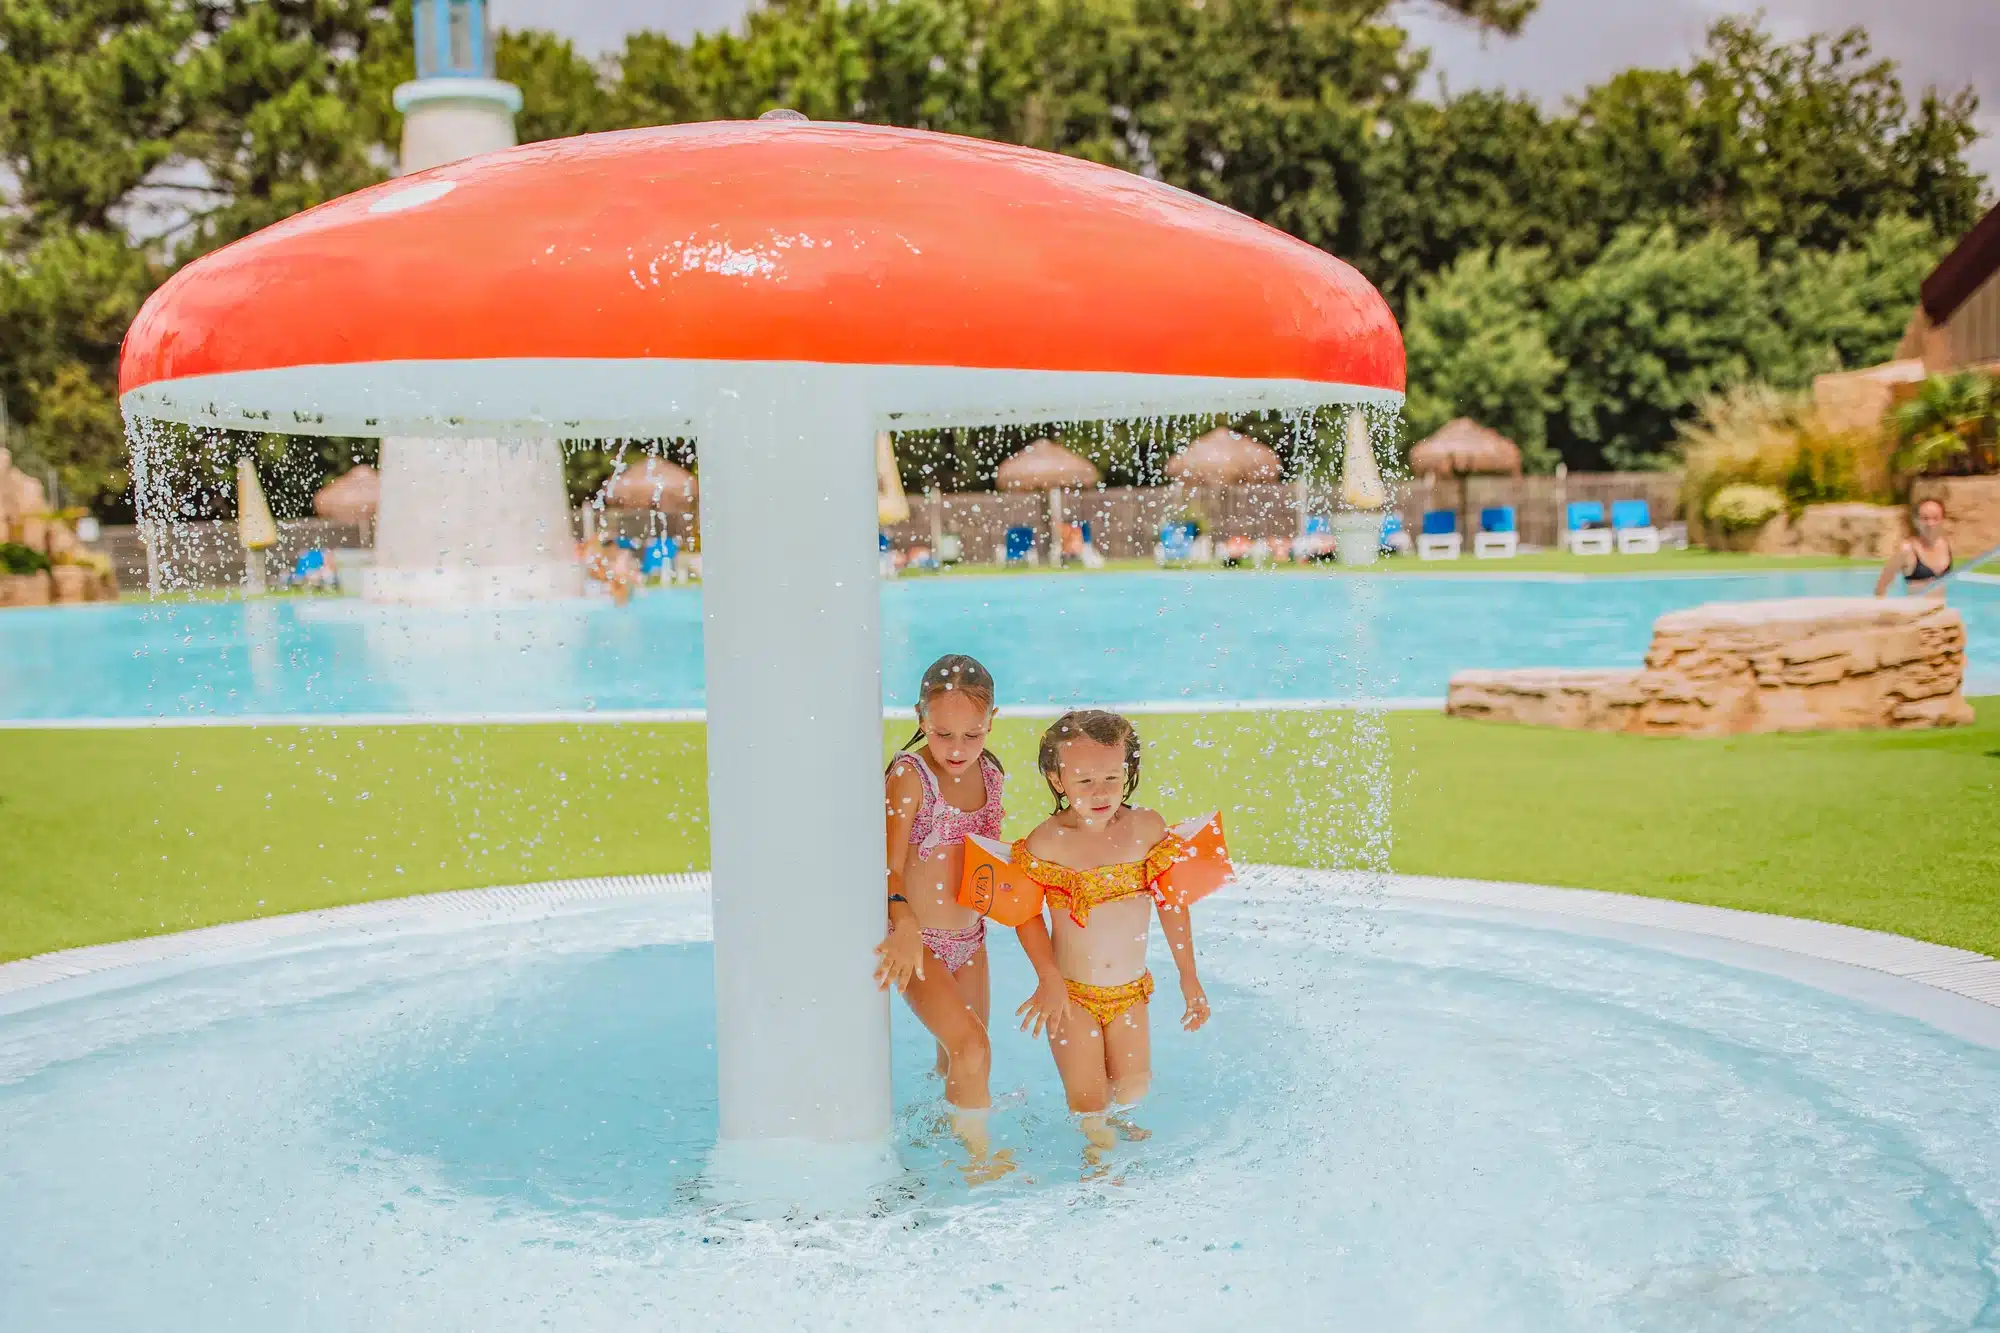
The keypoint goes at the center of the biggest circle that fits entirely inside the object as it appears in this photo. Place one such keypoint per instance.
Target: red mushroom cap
(843, 245)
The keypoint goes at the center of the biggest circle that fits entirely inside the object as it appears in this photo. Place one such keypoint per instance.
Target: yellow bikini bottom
(1105, 1003)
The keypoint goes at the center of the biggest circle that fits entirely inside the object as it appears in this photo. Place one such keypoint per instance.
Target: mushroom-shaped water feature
(780, 292)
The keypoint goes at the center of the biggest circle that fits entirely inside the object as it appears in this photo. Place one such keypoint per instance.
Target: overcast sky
(1567, 46)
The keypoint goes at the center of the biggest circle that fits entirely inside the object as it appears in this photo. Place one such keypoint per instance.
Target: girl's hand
(1197, 1004)
(1045, 1009)
(902, 955)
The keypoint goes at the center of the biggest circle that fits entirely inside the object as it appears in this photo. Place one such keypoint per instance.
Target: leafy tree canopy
(1577, 276)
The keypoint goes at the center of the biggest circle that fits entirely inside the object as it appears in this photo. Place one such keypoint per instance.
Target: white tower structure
(466, 521)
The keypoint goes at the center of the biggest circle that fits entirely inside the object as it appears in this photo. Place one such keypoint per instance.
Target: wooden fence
(1539, 501)
(1125, 520)
(210, 554)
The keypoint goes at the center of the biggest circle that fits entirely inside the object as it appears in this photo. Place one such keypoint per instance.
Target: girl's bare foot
(982, 1164)
(1127, 1130)
(986, 1170)
(1099, 1138)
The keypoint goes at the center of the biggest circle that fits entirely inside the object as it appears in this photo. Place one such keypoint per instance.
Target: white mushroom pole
(791, 610)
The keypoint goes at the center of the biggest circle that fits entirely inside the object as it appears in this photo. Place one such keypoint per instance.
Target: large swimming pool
(1142, 638)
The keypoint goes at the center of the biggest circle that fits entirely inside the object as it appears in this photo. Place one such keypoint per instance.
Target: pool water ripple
(1401, 1119)
(1051, 640)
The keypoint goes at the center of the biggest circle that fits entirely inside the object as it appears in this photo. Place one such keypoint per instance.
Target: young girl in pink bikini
(936, 949)
(1098, 860)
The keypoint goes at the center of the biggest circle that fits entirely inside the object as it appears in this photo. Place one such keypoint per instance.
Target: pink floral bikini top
(939, 823)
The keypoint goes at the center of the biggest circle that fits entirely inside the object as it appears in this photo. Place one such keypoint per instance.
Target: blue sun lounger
(1496, 537)
(1632, 524)
(1587, 533)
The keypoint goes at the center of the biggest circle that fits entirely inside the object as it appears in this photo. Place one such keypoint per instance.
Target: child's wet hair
(1089, 724)
(954, 673)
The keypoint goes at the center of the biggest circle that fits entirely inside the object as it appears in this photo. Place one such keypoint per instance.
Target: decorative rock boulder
(72, 583)
(1575, 698)
(25, 589)
(1729, 668)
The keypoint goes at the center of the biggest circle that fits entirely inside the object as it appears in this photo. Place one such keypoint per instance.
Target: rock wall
(24, 505)
(26, 589)
(1730, 668)
(77, 575)
(1858, 399)
(1860, 531)
(1853, 530)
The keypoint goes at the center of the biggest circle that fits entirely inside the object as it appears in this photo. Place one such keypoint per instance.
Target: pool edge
(890, 713)
(1935, 967)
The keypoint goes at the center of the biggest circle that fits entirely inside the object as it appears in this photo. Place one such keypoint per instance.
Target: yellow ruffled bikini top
(1078, 891)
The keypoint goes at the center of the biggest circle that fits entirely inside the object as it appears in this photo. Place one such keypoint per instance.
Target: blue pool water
(1400, 1119)
(1051, 640)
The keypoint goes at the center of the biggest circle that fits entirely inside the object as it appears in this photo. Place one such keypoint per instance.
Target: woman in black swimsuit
(1923, 559)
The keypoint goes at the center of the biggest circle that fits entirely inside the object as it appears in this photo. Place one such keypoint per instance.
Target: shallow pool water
(1051, 640)
(1400, 1119)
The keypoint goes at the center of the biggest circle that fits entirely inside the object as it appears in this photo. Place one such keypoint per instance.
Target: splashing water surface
(1397, 1120)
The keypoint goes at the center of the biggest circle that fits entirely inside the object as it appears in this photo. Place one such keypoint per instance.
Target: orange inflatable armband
(995, 887)
(1202, 865)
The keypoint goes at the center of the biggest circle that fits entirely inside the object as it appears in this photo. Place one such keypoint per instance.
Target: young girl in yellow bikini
(935, 949)
(1098, 860)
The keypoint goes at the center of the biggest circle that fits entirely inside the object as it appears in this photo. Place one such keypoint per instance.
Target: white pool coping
(1144, 707)
(1955, 990)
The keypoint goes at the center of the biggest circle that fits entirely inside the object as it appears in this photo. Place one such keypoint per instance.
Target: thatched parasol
(1046, 466)
(352, 497)
(1465, 447)
(653, 484)
(1462, 449)
(1223, 458)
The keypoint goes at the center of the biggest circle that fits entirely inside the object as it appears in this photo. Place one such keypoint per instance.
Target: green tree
(65, 302)
(1649, 330)
(917, 64)
(1468, 173)
(1478, 347)
(1848, 308)
(141, 133)
(1273, 107)
(562, 94)
(1810, 141)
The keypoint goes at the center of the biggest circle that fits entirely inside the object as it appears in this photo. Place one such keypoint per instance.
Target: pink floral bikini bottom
(955, 948)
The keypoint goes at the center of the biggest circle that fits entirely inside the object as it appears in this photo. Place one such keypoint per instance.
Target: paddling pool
(1404, 1116)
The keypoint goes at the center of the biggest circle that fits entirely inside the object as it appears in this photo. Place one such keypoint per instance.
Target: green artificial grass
(110, 834)
(1692, 561)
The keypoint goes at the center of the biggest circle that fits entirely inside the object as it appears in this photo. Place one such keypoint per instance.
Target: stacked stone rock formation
(75, 575)
(1861, 531)
(1729, 668)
